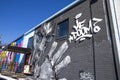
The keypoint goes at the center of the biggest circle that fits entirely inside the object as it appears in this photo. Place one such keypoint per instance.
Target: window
(63, 29)
(30, 43)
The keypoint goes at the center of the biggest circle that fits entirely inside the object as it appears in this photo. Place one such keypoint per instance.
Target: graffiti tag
(86, 76)
(81, 31)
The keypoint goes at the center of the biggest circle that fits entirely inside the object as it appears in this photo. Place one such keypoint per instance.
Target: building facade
(80, 42)
(77, 43)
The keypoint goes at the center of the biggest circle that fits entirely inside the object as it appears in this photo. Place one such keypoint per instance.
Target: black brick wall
(94, 55)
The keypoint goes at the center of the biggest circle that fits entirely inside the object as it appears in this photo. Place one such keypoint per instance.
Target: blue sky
(19, 16)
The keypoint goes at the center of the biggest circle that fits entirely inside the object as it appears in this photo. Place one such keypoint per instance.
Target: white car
(2, 77)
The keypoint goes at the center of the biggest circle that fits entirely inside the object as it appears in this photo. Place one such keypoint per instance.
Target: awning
(17, 49)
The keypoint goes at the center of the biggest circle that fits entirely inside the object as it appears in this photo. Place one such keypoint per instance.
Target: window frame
(62, 37)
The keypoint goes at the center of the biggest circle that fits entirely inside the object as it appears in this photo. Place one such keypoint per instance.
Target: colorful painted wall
(26, 38)
(11, 60)
(7, 59)
(28, 43)
(19, 59)
(15, 61)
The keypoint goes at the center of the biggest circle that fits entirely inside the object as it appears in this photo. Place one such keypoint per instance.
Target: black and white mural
(48, 68)
(51, 65)
(84, 54)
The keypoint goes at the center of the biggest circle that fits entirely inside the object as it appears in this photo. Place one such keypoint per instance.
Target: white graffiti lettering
(81, 31)
(86, 76)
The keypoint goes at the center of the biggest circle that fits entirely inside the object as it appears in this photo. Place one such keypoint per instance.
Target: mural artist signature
(81, 31)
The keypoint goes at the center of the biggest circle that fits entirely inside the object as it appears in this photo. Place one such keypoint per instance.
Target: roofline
(56, 14)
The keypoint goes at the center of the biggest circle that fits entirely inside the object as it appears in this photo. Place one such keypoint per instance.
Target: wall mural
(81, 31)
(49, 67)
(19, 59)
